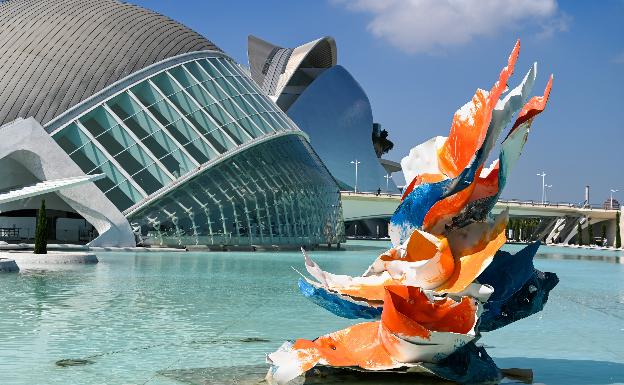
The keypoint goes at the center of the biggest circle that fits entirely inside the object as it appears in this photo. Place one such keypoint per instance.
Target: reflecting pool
(144, 318)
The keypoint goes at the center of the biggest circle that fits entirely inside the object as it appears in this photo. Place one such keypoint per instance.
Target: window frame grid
(201, 108)
(161, 128)
(230, 95)
(238, 90)
(111, 160)
(241, 88)
(141, 145)
(284, 126)
(255, 91)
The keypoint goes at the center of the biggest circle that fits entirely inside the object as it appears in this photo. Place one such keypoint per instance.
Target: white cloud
(416, 26)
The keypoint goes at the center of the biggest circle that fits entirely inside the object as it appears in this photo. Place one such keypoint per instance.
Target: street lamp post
(612, 191)
(388, 177)
(546, 192)
(543, 175)
(355, 162)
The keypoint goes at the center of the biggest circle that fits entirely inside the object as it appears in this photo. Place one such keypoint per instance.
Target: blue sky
(420, 60)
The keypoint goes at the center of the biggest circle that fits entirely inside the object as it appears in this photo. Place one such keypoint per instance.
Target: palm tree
(381, 143)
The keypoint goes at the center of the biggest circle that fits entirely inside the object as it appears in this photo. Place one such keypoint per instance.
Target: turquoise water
(135, 315)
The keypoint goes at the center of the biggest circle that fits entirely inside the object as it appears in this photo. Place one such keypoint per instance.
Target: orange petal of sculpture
(428, 291)
(409, 317)
(471, 122)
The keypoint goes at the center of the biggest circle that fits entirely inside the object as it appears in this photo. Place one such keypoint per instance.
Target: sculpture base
(28, 258)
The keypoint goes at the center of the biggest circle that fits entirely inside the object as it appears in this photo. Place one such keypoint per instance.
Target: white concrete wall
(26, 142)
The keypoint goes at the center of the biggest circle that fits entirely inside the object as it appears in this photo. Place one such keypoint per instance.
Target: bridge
(558, 222)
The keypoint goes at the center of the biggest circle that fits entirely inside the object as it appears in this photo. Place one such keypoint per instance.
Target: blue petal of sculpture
(426, 301)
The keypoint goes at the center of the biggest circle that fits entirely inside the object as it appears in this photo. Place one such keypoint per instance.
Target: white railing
(500, 201)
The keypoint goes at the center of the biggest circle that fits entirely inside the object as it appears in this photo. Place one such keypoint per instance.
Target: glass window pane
(119, 197)
(145, 128)
(210, 85)
(210, 131)
(247, 109)
(285, 123)
(226, 86)
(236, 133)
(166, 114)
(146, 94)
(277, 125)
(197, 72)
(212, 70)
(71, 139)
(149, 183)
(106, 131)
(124, 149)
(182, 76)
(233, 129)
(91, 160)
(261, 123)
(151, 178)
(237, 113)
(201, 96)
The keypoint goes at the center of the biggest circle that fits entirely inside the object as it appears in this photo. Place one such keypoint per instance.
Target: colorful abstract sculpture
(445, 280)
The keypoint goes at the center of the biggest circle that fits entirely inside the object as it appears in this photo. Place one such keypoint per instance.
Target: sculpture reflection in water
(445, 280)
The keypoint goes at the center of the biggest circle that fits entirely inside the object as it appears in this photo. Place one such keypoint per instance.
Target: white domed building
(175, 144)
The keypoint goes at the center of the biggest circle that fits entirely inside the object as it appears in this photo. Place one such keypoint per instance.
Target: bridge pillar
(621, 224)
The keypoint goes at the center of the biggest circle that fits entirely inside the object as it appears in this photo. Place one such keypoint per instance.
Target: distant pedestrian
(379, 191)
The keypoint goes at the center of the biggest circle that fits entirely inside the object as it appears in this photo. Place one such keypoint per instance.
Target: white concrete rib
(46, 186)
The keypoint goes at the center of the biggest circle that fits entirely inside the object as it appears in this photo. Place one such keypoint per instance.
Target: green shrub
(579, 233)
(41, 231)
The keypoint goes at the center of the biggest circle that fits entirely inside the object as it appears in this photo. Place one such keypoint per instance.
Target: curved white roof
(55, 54)
(283, 73)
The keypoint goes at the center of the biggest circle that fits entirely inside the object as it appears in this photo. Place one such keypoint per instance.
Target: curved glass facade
(196, 154)
(335, 106)
(274, 193)
(167, 125)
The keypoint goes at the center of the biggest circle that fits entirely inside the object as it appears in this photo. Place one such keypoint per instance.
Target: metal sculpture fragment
(445, 280)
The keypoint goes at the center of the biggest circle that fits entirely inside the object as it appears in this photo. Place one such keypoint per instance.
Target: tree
(381, 143)
(590, 233)
(618, 236)
(41, 231)
(579, 234)
(603, 236)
